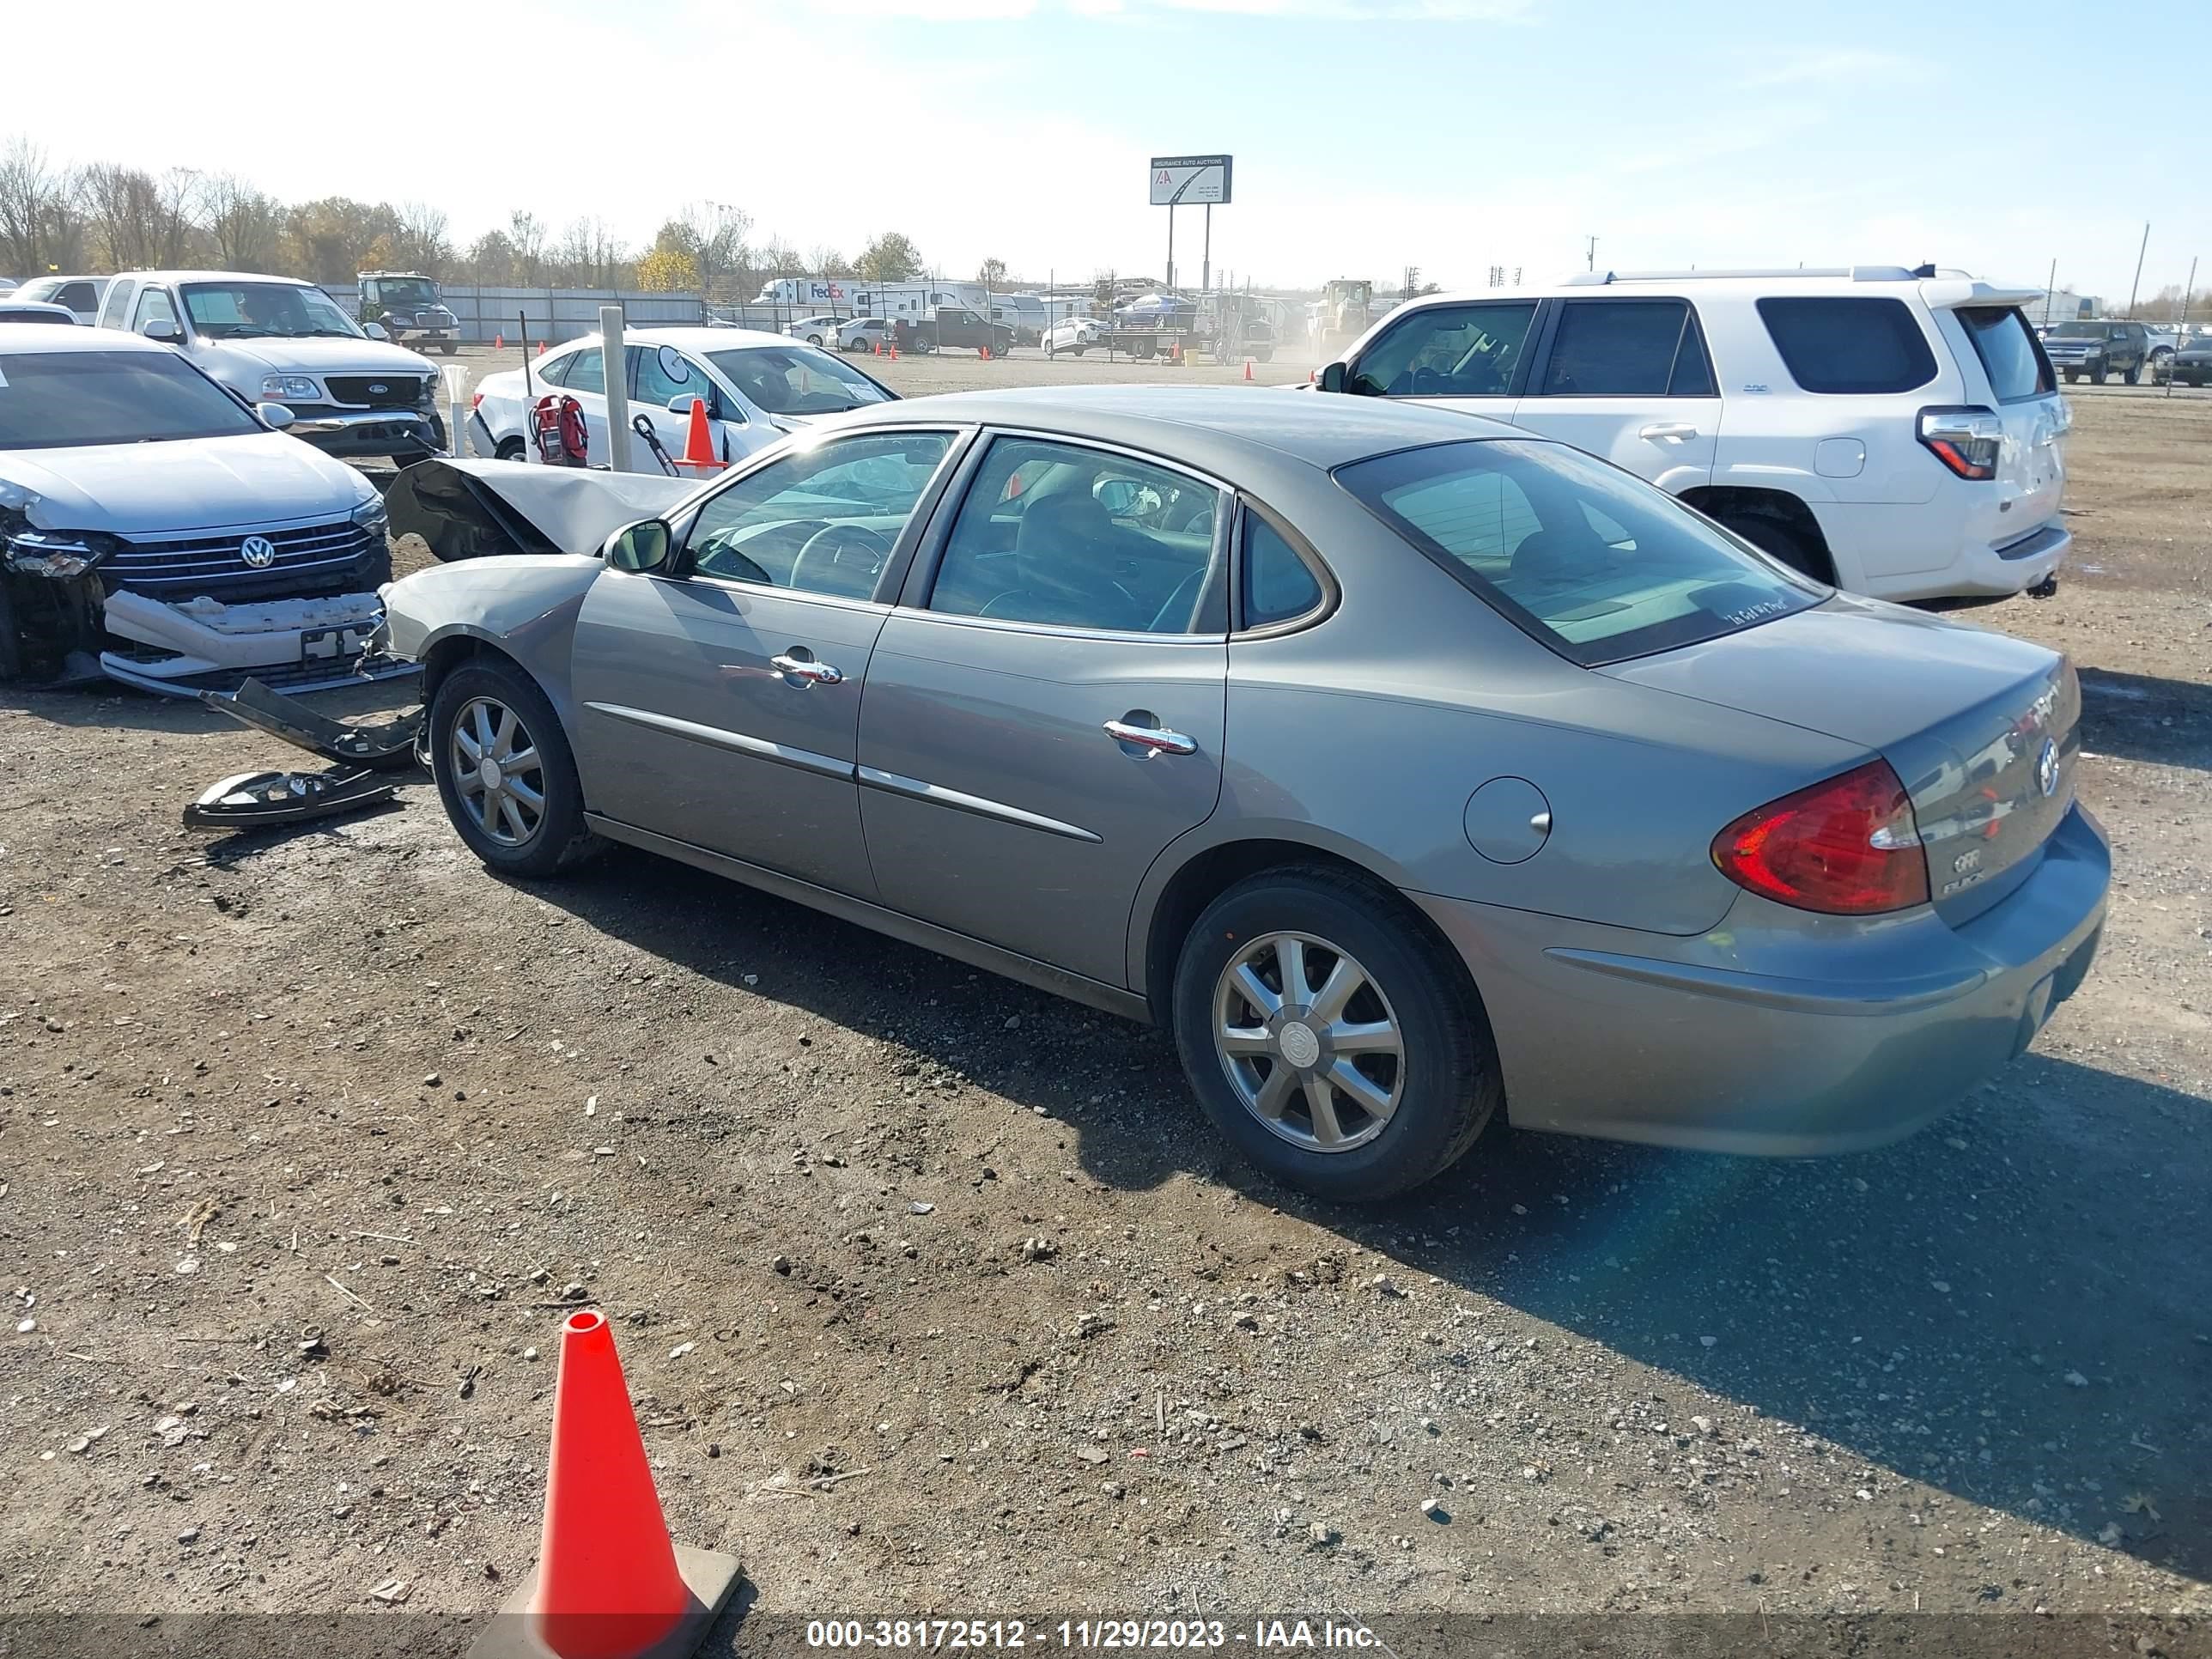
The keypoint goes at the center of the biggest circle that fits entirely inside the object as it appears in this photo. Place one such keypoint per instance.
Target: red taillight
(1967, 441)
(475, 401)
(1848, 847)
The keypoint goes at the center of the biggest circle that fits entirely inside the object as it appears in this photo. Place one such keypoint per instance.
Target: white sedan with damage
(155, 530)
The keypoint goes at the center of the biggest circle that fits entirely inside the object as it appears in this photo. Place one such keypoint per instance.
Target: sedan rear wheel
(1330, 1038)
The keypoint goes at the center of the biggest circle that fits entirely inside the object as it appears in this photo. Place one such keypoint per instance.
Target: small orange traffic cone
(1248, 368)
(880, 348)
(499, 342)
(541, 347)
(609, 1583)
(699, 442)
(894, 351)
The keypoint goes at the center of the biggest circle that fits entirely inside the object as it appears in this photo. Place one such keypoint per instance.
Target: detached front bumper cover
(307, 645)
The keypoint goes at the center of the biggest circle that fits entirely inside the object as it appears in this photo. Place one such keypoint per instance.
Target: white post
(616, 371)
(457, 378)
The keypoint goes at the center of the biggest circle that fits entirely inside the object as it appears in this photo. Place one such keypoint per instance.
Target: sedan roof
(45, 336)
(1214, 425)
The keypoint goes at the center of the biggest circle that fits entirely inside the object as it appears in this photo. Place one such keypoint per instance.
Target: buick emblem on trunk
(2046, 768)
(259, 552)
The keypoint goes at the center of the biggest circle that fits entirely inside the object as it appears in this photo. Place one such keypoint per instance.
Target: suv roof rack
(1856, 273)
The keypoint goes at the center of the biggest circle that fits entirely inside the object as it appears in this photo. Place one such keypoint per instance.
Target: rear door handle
(1662, 429)
(1158, 739)
(805, 670)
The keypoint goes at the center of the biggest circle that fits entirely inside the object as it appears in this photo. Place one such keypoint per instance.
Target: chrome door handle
(1159, 740)
(1668, 429)
(806, 671)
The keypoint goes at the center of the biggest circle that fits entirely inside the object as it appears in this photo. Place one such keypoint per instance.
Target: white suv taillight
(1965, 439)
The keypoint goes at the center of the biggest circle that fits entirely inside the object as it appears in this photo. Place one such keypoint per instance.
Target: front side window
(57, 399)
(1078, 538)
(1849, 344)
(246, 310)
(1596, 564)
(2005, 346)
(663, 375)
(1447, 351)
(1626, 349)
(797, 379)
(821, 521)
(77, 296)
(153, 306)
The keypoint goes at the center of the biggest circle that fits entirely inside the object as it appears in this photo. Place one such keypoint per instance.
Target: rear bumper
(1773, 1034)
(1983, 571)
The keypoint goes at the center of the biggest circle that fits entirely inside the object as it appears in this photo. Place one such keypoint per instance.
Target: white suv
(1894, 432)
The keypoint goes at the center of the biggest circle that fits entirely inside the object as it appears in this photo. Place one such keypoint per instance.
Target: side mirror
(275, 417)
(682, 402)
(642, 549)
(162, 329)
(376, 331)
(1332, 378)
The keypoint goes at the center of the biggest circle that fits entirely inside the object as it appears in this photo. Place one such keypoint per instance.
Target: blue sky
(1369, 133)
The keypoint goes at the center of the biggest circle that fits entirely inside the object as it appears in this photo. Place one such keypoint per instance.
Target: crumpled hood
(189, 483)
(268, 354)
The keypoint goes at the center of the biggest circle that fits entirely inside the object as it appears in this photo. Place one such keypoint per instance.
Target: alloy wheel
(497, 773)
(1308, 1042)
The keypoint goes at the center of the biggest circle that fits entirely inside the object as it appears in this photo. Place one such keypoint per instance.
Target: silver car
(1405, 769)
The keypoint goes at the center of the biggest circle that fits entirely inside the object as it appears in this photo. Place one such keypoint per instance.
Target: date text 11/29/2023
(954, 1635)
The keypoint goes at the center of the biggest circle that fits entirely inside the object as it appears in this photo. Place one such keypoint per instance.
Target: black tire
(1780, 541)
(2134, 376)
(814, 340)
(449, 348)
(510, 449)
(2098, 375)
(1449, 1085)
(559, 839)
(2073, 377)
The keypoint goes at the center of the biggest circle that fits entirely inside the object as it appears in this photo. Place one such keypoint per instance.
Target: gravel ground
(305, 1139)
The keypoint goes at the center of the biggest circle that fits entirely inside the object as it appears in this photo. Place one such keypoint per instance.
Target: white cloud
(1843, 67)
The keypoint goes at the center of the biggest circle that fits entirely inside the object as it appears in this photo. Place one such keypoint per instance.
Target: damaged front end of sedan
(293, 605)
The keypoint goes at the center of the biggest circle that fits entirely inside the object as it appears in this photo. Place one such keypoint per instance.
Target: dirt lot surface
(307, 1138)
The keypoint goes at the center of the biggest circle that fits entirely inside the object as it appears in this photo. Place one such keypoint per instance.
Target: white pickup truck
(353, 394)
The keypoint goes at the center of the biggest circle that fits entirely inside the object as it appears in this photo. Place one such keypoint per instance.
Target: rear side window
(115, 310)
(2017, 368)
(1626, 349)
(1849, 344)
(1595, 563)
(1277, 587)
(585, 372)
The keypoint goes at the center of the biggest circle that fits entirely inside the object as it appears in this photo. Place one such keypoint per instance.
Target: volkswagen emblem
(2046, 768)
(259, 553)
(378, 389)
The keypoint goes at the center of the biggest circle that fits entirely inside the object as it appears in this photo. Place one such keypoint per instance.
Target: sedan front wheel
(504, 771)
(1339, 1046)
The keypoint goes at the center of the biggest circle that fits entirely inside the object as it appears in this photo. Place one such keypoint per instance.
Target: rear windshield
(1593, 563)
(1849, 344)
(60, 399)
(2018, 370)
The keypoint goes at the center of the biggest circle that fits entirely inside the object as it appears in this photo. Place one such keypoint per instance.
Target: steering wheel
(845, 559)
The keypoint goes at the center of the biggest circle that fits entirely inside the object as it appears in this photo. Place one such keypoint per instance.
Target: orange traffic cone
(699, 441)
(894, 351)
(1248, 368)
(609, 1584)
(880, 348)
(499, 342)
(541, 347)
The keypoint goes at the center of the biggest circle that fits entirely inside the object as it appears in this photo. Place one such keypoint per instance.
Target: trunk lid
(1982, 729)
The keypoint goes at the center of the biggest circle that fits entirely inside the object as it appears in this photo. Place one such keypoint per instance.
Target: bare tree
(176, 215)
(826, 261)
(421, 243)
(121, 203)
(29, 188)
(245, 226)
(526, 235)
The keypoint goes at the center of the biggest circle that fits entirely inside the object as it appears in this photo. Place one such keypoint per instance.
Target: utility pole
(2050, 292)
(1590, 255)
(2180, 338)
(2138, 284)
